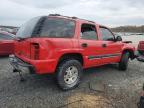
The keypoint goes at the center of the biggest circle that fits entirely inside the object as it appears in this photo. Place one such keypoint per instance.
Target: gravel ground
(41, 91)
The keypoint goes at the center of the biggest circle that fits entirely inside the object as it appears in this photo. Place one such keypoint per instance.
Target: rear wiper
(20, 38)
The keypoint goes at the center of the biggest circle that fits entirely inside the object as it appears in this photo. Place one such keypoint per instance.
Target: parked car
(6, 43)
(141, 51)
(5, 29)
(14, 31)
(65, 46)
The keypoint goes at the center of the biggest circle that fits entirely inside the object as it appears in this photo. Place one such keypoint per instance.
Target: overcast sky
(106, 12)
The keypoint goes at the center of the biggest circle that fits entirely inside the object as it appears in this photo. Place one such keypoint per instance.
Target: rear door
(6, 44)
(111, 50)
(90, 44)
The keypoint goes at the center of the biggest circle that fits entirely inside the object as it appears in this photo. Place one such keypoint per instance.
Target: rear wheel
(69, 74)
(123, 64)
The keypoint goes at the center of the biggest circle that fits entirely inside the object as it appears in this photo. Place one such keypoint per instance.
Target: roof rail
(63, 16)
(88, 20)
(54, 15)
(74, 17)
(70, 17)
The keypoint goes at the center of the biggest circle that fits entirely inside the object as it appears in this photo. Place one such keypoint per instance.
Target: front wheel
(69, 74)
(123, 64)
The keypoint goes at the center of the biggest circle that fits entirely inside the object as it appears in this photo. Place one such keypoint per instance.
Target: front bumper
(17, 64)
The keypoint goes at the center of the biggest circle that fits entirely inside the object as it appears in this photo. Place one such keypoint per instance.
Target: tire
(123, 64)
(68, 74)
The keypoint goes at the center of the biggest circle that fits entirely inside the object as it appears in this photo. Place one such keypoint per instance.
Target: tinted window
(88, 32)
(106, 34)
(26, 29)
(58, 28)
(5, 37)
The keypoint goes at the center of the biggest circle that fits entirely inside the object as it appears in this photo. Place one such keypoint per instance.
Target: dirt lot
(120, 89)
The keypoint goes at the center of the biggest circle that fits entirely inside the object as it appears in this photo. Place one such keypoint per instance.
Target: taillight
(35, 51)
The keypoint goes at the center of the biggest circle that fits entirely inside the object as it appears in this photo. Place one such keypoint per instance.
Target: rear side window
(5, 37)
(88, 32)
(58, 28)
(106, 34)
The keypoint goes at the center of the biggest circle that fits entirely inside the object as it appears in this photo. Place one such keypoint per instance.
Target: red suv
(141, 51)
(67, 45)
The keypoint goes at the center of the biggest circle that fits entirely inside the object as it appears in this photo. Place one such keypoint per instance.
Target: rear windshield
(47, 27)
(26, 29)
(58, 28)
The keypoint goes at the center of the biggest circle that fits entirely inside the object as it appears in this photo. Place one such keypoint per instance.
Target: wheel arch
(77, 56)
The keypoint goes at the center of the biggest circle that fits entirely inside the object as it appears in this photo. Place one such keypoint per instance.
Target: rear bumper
(17, 63)
(38, 66)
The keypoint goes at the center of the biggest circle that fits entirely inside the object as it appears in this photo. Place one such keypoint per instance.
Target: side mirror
(118, 38)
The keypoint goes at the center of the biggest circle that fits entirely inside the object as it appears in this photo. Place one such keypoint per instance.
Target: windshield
(26, 29)
(58, 28)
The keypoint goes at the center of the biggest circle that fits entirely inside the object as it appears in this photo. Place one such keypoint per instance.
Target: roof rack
(74, 17)
(63, 16)
(88, 20)
(54, 15)
(70, 17)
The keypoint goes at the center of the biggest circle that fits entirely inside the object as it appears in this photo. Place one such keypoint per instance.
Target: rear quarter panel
(51, 49)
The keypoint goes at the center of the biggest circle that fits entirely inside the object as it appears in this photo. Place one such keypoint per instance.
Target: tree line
(133, 29)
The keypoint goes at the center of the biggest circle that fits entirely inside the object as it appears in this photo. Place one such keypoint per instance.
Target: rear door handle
(84, 45)
(104, 45)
